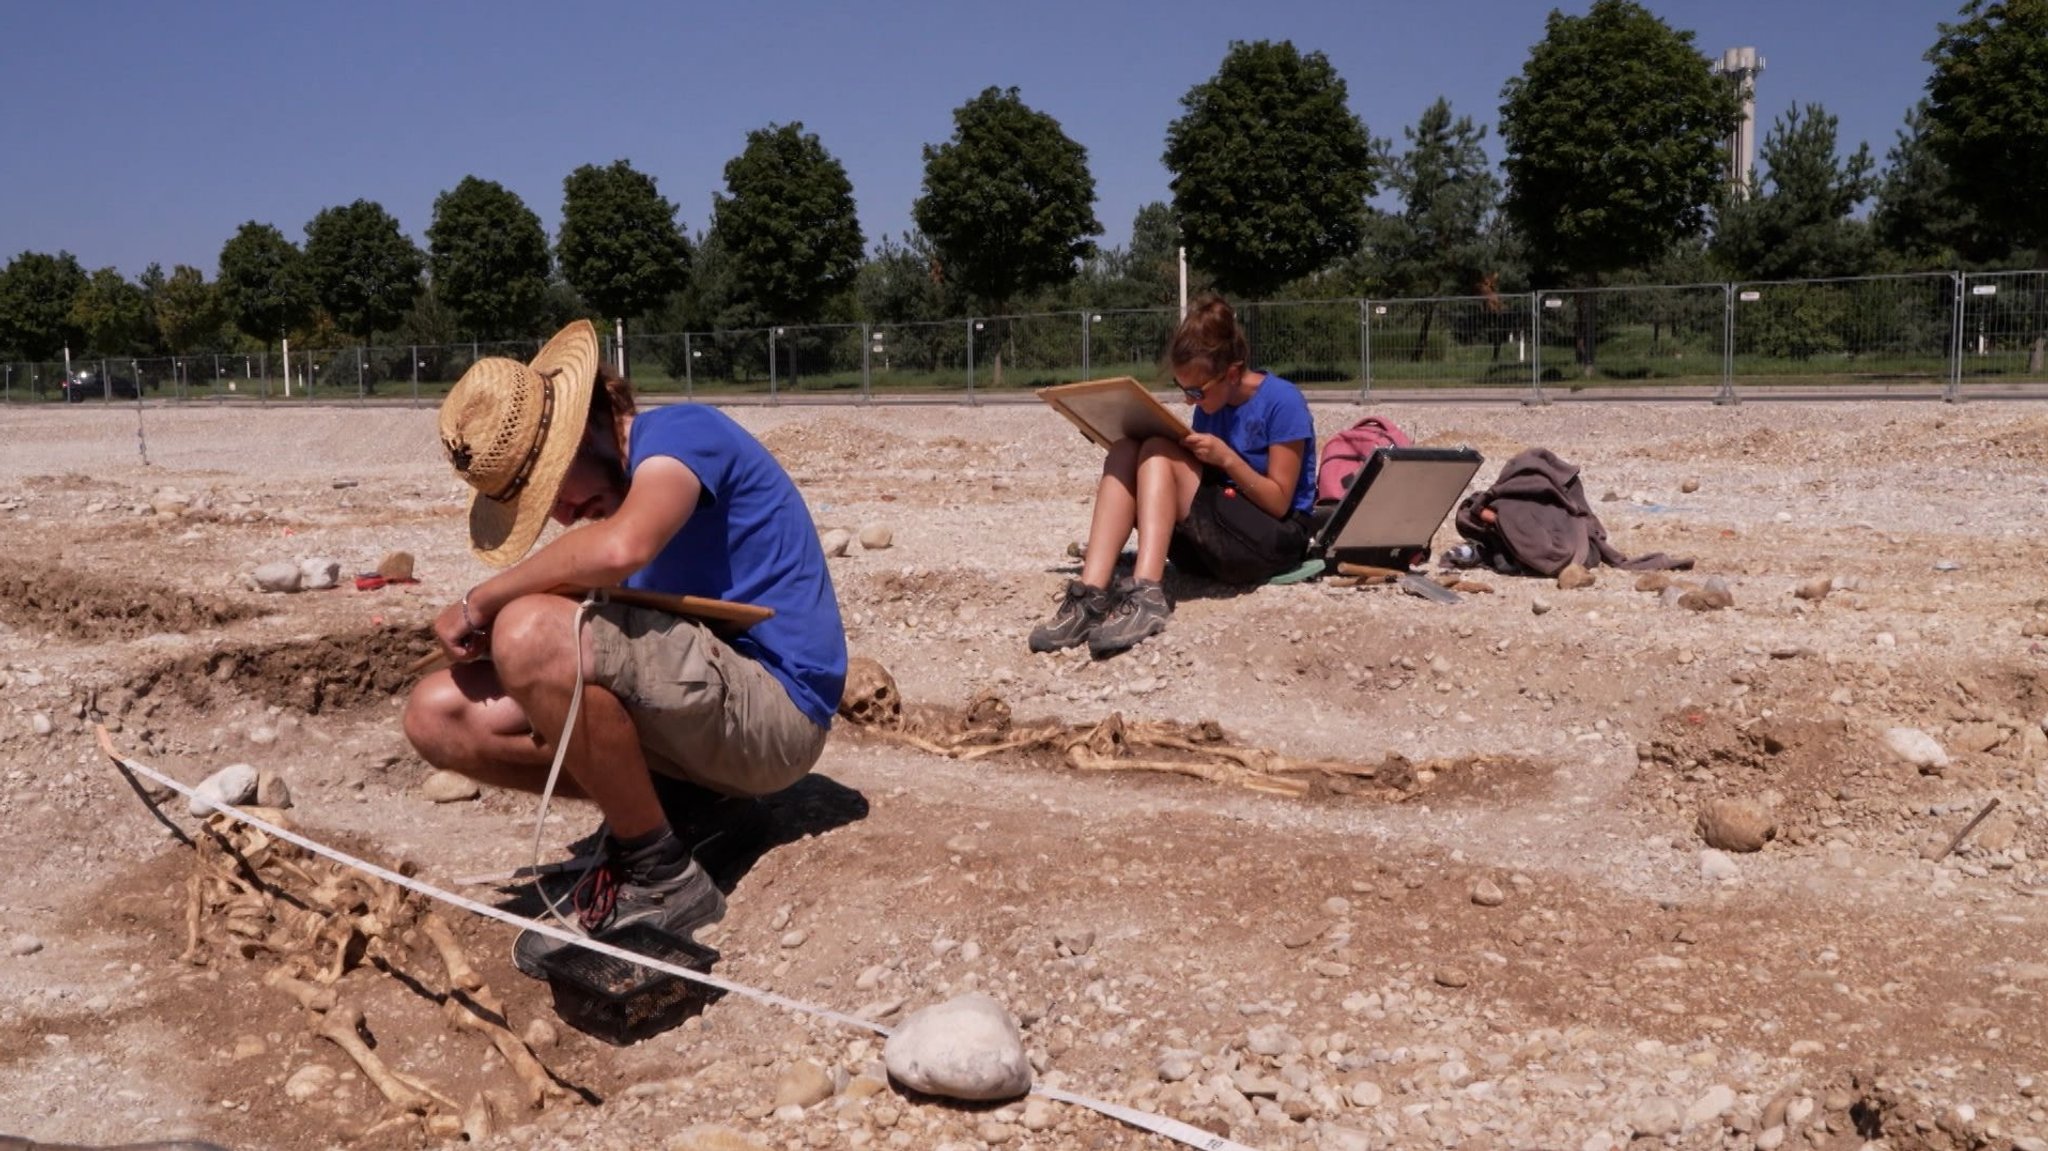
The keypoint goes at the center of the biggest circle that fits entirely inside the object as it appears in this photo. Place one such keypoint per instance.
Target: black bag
(1227, 538)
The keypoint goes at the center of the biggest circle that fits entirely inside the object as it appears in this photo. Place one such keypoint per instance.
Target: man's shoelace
(596, 896)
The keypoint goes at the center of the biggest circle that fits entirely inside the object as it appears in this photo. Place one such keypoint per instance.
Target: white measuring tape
(1173, 1129)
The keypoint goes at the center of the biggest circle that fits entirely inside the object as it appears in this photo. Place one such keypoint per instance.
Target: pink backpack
(1348, 450)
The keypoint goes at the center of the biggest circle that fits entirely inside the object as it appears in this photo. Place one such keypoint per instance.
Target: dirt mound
(79, 605)
(813, 442)
(329, 674)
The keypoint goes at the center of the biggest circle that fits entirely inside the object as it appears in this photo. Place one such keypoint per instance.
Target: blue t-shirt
(1276, 414)
(750, 540)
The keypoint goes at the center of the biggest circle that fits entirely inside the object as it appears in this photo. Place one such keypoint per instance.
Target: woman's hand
(1210, 450)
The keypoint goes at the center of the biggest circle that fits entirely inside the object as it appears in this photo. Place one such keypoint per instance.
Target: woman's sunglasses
(1195, 395)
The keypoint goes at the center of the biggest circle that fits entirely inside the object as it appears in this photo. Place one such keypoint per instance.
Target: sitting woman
(1229, 502)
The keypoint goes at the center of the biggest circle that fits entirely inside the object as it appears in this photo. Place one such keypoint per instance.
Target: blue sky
(133, 132)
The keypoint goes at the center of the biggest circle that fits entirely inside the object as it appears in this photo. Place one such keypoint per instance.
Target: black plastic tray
(623, 1003)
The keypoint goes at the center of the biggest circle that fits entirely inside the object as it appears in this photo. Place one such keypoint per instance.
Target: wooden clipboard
(734, 617)
(1110, 410)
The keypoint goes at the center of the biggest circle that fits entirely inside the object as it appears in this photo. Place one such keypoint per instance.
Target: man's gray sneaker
(1140, 611)
(618, 891)
(1081, 607)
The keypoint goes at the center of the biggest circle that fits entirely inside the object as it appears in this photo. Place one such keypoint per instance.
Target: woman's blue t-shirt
(1276, 414)
(751, 540)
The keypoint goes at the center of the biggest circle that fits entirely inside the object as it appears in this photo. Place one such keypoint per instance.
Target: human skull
(871, 698)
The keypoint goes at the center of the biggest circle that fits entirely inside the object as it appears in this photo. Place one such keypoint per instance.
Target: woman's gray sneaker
(1080, 608)
(1140, 611)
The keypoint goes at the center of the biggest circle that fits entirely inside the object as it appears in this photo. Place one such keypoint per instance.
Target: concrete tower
(1742, 66)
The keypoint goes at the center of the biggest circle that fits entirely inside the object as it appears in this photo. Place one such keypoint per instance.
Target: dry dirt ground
(1509, 936)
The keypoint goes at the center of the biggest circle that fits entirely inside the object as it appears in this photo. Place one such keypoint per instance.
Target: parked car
(82, 386)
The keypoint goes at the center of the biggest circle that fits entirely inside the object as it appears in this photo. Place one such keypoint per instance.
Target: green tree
(788, 224)
(1440, 243)
(188, 310)
(1796, 221)
(36, 294)
(1271, 169)
(1152, 263)
(489, 257)
(1917, 218)
(1987, 113)
(112, 314)
(1008, 202)
(620, 244)
(363, 270)
(1613, 134)
(262, 282)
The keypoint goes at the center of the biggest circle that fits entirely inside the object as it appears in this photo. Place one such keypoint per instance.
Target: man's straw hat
(512, 430)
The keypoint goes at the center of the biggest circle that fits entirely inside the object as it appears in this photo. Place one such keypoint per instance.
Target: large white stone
(284, 575)
(232, 785)
(965, 1048)
(1916, 747)
(319, 573)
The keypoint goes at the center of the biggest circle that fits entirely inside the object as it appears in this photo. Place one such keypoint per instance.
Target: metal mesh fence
(1891, 332)
(1662, 336)
(2004, 329)
(1466, 341)
(1937, 331)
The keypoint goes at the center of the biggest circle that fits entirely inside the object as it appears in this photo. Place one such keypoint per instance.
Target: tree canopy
(489, 257)
(1613, 134)
(363, 270)
(787, 221)
(1271, 170)
(1440, 243)
(1008, 202)
(1987, 113)
(36, 294)
(1796, 221)
(620, 245)
(188, 311)
(1917, 216)
(262, 282)
(112, 314)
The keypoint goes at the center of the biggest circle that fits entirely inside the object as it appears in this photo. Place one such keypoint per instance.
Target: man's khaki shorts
(705, 713)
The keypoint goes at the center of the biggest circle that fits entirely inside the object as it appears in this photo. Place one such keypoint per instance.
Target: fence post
(689, 369)
(1727, 395)
(971, 326)
(867, 348)
(1364, 351)
(1535, 346)
(772, 333)
(414, 352)
(1953, 393)
(1085, 373)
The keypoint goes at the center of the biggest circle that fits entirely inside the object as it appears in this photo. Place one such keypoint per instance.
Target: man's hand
(459, 641)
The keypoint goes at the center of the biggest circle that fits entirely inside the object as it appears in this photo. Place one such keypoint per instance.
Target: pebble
(40, 724)
(396, 566)
(1330, 1137)
(232, 785)
(1073, 940)
(1174, 1066)
(1271, 1041)
(1714, 595)
(875, 537)
(1948, 565)
(1657, 1118)
(965, 1048)
(1770, 1138)
(1736, 825)
(24, 944)
(1039, 1115)
(1689, 485)
(1451, 977)
(1653, 581)
(1716, 867)
(1364, 1094)
(794, 939)
(272, 791)
(309, 1082)
(448, 787)
(836, 542)
(1539, 606)
(714, 1137)
(1574, 577)
(1718, 1101)
(1815, 589)
(803, 1085)
(1487, 893)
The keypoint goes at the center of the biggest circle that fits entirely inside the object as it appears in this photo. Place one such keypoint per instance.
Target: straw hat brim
(503, 531)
